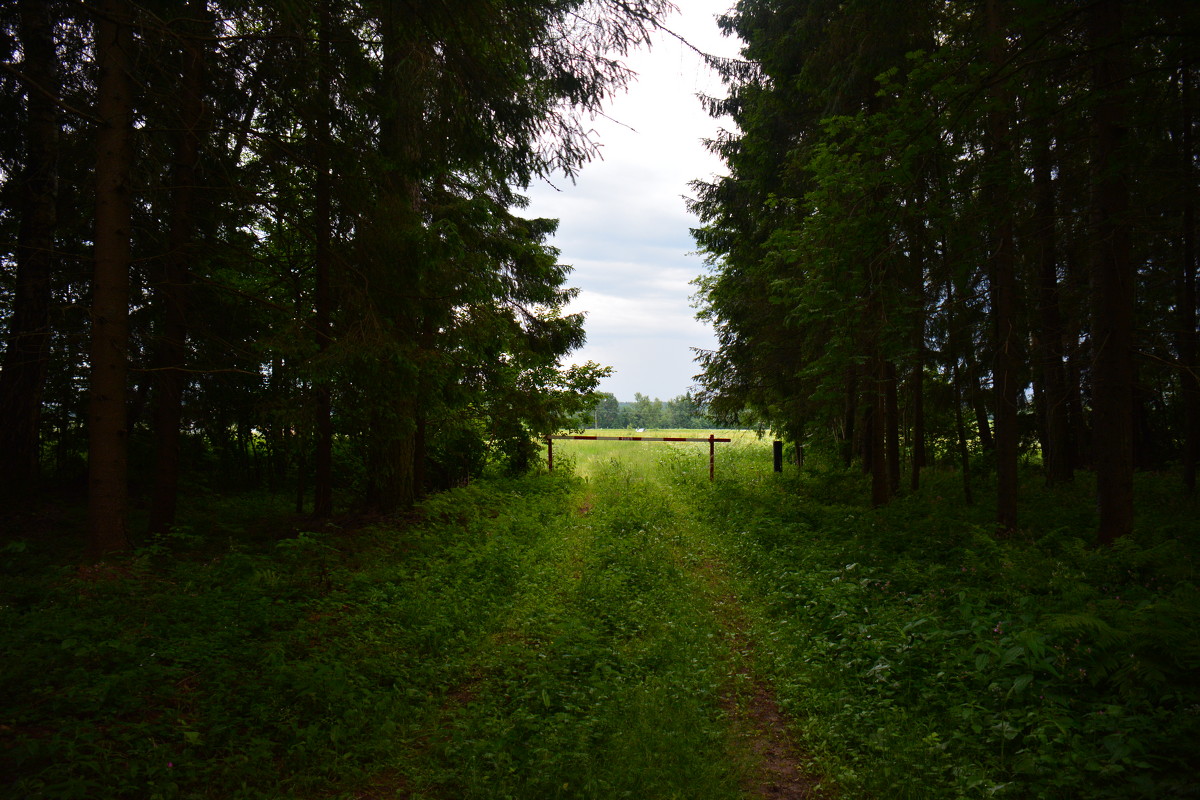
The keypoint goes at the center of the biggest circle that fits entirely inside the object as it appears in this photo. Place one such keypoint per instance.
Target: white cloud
(621, 316)
(624, 225)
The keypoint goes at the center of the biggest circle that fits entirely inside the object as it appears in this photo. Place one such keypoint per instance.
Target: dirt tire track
(779, 767)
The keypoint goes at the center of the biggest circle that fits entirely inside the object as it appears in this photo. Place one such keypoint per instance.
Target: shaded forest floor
(623, 630)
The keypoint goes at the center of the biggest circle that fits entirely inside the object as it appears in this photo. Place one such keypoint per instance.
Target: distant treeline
(684, 411)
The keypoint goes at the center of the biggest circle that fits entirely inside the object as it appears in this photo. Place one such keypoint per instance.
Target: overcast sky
(624, 223)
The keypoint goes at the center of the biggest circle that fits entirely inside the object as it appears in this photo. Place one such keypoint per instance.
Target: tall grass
(589, 458)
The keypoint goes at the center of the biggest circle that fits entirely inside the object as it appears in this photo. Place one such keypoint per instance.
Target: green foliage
(905, 183)
(603, 682)
(561, 636)
(327, 251)
(261, 672)
(925, 658)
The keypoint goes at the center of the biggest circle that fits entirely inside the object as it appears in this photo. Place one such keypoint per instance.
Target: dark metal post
(778, 447)
(549, 454)
(712, 450)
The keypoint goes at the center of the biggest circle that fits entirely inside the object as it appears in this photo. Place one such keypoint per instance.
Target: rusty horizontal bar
(640, 438)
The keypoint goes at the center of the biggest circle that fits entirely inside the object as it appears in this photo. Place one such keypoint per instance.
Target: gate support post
(778, 447)
(712, 450)
(549, 454)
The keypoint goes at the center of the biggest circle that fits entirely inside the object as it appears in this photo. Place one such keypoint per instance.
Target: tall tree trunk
(1187, 353)
(1056, 444)
(323, 224)
(878, 434)
(919, 454)
(420, 443)
(917, 382)
(956, 379)
(960, 429)
(1187, 296)
(107, 434)
(849, 416)
(881, 488)
(1002, 284)
(23, 375)
(170, 376)
(892, 426)
(399, 221)
(1113, 283)
(1075, 352)
(300, 448)
(979, 405)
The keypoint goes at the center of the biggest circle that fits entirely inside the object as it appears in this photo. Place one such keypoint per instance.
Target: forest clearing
(620, 627)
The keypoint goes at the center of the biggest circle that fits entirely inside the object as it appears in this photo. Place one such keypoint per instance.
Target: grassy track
(621, 671)
(623, 628)
(625, 668)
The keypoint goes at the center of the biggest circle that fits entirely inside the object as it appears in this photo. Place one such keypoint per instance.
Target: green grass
(275, 671)
(924, 658)
(589, 458)
(603, 682)
(569, 635)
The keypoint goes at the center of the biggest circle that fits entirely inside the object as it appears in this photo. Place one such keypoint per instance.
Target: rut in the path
(779, 768)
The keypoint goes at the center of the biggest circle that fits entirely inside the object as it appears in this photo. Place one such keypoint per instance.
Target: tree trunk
(881, 493)
(892, 427)
(917, 383)
(1080, 440)
(171, 377)
(960, 429)
(420, 443)
(107, 434)
(849, 416)
(1187, 351)
(399, 224)
(979, 405)
(390, 467)
(877, 433)
(1186, 345)
(1056, 442)
(956, 379)
(301, 469)
(23, 376)
(919, 455)
(1003, 286)
(323, 225)
(1113, 281)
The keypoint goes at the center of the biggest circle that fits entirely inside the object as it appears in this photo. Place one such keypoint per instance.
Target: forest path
(776, 766)
(624, 669)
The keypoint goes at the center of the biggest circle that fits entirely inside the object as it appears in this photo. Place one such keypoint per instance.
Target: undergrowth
(273, 670)
(553, 636)
(926, 658)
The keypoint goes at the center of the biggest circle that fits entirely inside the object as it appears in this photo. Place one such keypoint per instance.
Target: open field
(587, 457)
